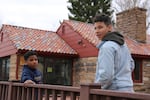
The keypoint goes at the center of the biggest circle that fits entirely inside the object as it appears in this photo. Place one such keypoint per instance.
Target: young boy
(115, 64)
(30, 74)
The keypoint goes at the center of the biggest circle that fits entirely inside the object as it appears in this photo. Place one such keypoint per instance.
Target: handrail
(127, 95)
(89, 91)
(46, 86)
(4, 82)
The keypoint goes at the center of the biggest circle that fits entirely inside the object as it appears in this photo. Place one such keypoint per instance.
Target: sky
(41, 14)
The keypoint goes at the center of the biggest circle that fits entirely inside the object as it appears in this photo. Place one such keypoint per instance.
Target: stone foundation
(84, 70)
(13, 65)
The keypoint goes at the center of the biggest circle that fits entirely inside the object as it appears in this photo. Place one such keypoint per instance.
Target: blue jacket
(114, 65)
(31, 74)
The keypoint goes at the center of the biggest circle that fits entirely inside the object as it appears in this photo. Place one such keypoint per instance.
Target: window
(137, 73)
(4, 68)
(56, 71)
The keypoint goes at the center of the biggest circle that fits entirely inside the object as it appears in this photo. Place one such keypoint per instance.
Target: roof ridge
(27, 28)
(79, 21)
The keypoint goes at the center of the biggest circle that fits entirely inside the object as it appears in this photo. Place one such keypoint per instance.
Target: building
(68, 56)
(132, 24)
(55, 55)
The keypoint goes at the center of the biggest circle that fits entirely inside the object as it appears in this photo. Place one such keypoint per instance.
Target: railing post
(10, 91)
(85, 90)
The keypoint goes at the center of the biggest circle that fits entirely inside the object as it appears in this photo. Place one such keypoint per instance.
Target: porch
(20, 91)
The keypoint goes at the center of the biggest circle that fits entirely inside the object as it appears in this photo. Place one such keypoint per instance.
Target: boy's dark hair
(102, 18)
(28, 54)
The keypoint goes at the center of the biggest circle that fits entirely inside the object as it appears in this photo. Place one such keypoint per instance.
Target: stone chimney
(132, 23)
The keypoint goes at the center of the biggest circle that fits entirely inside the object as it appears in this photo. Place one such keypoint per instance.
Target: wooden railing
(20, 91)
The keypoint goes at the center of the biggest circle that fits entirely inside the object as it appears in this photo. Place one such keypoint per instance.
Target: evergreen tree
(85, 10)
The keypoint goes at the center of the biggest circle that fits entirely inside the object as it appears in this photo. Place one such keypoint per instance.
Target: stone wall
(132, 23)
(145, 85)
(84, 70)
(146, 75)
(20, 66)
(13, 65)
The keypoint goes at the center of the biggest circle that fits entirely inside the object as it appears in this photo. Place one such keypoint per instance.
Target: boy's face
(32, 61)
(101, 29)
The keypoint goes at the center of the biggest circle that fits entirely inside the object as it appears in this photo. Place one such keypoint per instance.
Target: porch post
(10, 91)
(85, 90)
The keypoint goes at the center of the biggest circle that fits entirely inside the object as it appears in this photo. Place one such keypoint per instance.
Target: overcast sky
(43, 14)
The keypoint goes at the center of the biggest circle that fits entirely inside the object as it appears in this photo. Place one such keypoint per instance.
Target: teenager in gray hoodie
(115, 64)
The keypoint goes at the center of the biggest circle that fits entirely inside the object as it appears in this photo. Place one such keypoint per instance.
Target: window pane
(62, 70)
(4, 70)
(7, 68)
(137, 77)
(48, 75)
(57, 71)
(0, 68)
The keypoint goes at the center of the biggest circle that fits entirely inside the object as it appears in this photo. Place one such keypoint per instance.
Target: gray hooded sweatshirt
(115, 64)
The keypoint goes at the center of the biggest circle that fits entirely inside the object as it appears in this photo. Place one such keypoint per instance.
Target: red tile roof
(137, 48)
(86, 30)
(35, 39)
